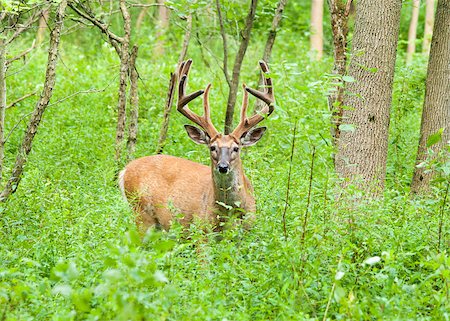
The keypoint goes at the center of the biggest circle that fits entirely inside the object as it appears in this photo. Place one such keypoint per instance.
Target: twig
(331, 295)
(286, 203)
(441, 218)
(166, 116)
(146, 5)
(42, 104)
(113, 38)
(53, 104)
(15, 126)
(171, 90)
(2, 101)
(237, 65)
(269, 46)
(88, 91)
(308, 201)
(273, 30)
(24, 53)
(225, 45)
(18, 100)
(186, 40)
(20, 29)
(329, 301)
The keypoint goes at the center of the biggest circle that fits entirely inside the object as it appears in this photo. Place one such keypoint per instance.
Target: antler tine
(267, 96)
(183, 100)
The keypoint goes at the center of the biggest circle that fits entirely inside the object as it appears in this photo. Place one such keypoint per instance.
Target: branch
(24, 53)
(86, 14)
(18, 100)
(146, 5)
(273, 31)
(288, 187)
(20, 29)
(225, 45)
(237, 65)
(53, 104)
(49, 84)
(186, 39)
(348, 7)
(88, 91)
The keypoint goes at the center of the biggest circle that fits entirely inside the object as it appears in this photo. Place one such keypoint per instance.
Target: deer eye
(212, 148)
(236, 149)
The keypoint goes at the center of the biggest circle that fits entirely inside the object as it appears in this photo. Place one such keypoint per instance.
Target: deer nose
(223, 168)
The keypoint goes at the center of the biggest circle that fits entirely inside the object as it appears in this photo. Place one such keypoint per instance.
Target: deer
(159, 186)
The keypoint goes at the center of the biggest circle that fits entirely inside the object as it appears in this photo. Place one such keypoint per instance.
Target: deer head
(225, 149)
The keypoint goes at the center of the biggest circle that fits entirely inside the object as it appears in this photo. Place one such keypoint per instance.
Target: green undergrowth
(69, 249)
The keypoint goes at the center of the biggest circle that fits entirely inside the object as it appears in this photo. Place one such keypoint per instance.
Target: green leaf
(63, 289)
(435, 138)
(347, 127)
(339, 293)
(348, 78)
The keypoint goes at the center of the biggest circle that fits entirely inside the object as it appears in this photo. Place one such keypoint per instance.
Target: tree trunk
(42, 26)
(339, 12)
(436, 108)
(259, 104)
(134, 104)
(2, 102)
(316, 40)
(49, 84)
(123, 78)
(171, 90)
(412, 31)
(163, 25)
(428, 30)
(237, 66)
(363, 144)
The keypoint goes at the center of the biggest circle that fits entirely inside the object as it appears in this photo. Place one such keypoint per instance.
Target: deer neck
(229, 189)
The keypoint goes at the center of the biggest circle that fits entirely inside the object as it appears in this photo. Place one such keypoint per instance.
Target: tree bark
(436, 108)
(163, 25)
(171, 90)
(316, 39)
(259, 104)
(41, 105)
(2, 102)
(237, 66)
(123, 78)
(412, 31)
(339, 11)
(85, 13)
(273, 30)
(428, 29)
(134, 104)
(42, 27)
(362, 146)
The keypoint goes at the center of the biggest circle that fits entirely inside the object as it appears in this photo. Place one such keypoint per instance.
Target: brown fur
(161, 186)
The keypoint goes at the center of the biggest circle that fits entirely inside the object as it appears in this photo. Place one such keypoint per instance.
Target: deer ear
(252, 136)
(197, 135)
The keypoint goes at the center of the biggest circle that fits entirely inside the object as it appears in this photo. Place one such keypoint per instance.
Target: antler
(245, 124)
(203, 121)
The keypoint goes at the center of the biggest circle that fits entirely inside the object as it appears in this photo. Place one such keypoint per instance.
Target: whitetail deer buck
(156, 185)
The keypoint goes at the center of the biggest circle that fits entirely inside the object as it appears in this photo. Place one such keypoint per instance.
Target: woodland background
(327, 243)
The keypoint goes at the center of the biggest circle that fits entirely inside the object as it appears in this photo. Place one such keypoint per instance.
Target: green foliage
(69, 249)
